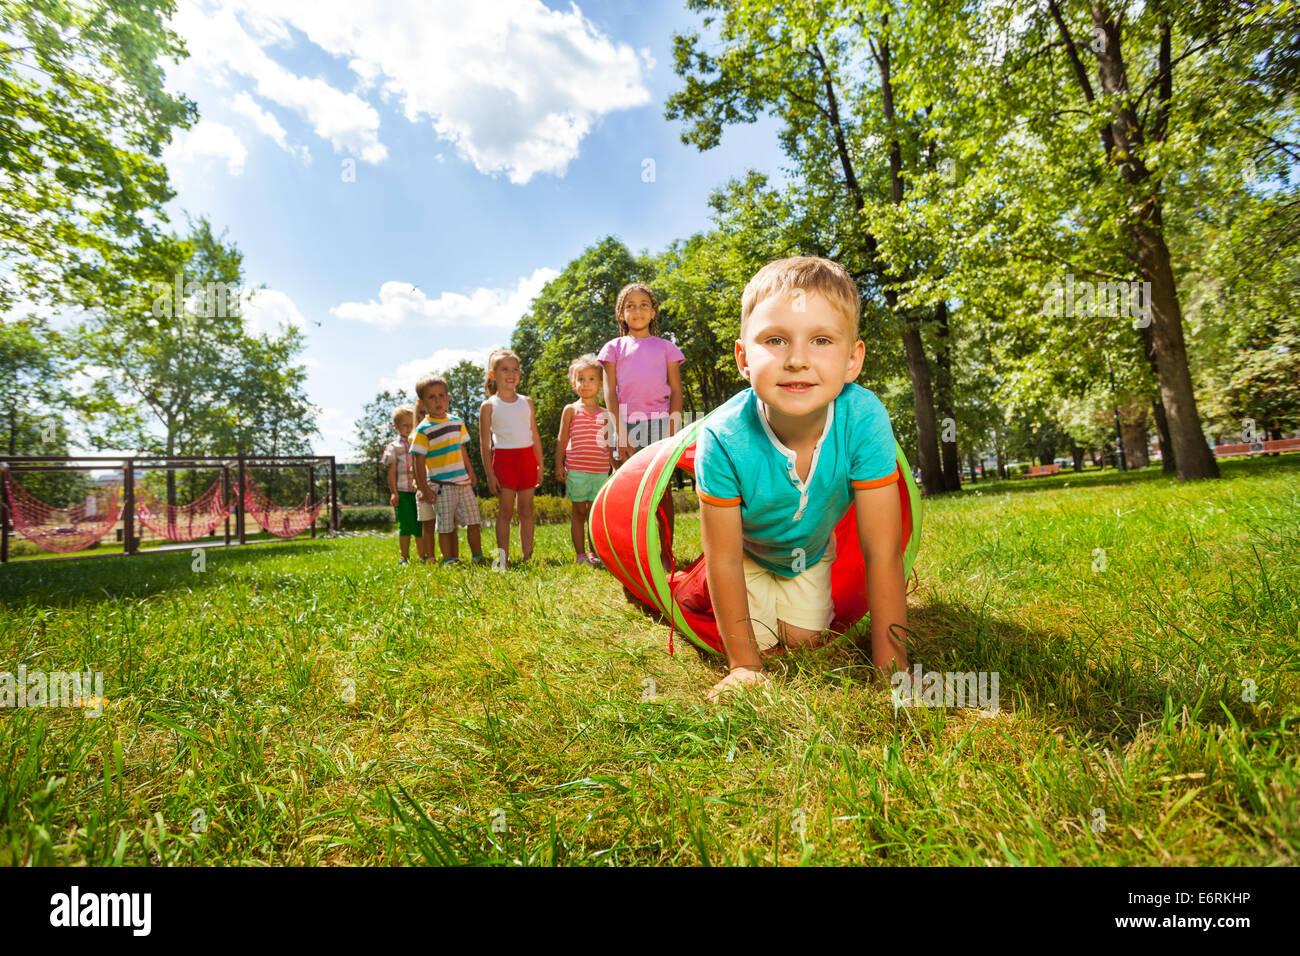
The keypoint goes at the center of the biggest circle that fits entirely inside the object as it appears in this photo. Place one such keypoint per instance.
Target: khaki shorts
(801, 601)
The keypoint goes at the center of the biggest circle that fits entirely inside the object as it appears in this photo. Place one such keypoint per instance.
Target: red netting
(183, 522)
(63, 529)
(280, 521)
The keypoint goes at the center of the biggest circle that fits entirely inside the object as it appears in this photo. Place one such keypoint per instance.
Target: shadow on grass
(110, 577)
(1066, 679)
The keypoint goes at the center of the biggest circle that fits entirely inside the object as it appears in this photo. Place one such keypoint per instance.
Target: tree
(372, 431)
(573, 314)
(84, 116)
(465, 387)
(31, 375)
(35, 405)
(177, 365)
(826, 71)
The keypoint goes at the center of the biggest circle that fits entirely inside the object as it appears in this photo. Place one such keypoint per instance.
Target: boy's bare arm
(469, 465)
(392, 482)
(422, 480)
(724, 557)
(880, 534)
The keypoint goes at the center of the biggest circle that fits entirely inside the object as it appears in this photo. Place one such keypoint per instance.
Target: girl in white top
(511, 448)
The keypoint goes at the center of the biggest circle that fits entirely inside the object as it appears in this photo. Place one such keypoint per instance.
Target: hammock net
(64, 530)
(626, 532)
(183, 522)
(279, 521)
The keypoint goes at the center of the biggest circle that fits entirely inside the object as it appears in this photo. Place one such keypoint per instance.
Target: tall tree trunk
(1123, 140)
(1192, 455)
(1167, 464)
(947, 413)
(1135, 443)
(932, 479)
(1077, 453)
(927, 445)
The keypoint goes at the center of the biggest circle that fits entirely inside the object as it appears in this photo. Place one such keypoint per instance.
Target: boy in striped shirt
(444, 474)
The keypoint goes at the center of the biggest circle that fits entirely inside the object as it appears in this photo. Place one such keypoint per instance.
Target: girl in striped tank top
(583, 450)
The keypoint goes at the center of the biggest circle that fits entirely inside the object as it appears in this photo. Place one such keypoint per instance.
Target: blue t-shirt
(739, 461)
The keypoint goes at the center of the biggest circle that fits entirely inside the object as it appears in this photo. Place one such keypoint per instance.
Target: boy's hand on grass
(741, 677)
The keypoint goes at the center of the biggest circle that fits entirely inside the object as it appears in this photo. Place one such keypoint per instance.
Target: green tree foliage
(167, 336)
(572, 315)
(34, 406)
(371, 432)
(83, 118)
(465, 386)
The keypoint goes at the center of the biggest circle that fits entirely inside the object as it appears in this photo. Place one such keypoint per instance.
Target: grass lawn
(315, 703)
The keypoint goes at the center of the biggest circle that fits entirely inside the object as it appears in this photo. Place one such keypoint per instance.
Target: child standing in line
(511, 448)
(401, 485)
(643, 382)
(582, 453)
(442, 460)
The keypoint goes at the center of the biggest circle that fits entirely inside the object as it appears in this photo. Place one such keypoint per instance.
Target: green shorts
(583, 485)
(407, 523)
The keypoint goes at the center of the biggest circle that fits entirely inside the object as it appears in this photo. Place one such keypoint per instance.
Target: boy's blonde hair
(427, 382)
(584, 361)
(489, 384)
(626, 291)
(809, 274)
(403, 411)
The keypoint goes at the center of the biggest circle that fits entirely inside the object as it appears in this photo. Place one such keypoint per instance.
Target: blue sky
(404, 175)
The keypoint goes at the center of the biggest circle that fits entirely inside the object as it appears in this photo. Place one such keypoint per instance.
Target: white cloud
(513, 85)
(402, 304)
(207, 139)
(441, 361)
(269, 311)
(220, 47)
(267, 124)
(335, 434)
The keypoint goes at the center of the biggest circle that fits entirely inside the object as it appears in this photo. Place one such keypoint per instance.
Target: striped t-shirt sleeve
(420, 442)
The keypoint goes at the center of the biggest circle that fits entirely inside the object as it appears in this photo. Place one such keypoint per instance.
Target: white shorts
(801, 601)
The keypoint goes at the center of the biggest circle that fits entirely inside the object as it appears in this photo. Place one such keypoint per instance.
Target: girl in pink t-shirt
(643, 383)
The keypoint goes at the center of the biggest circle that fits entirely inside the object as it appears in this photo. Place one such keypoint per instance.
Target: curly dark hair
(623, 293)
